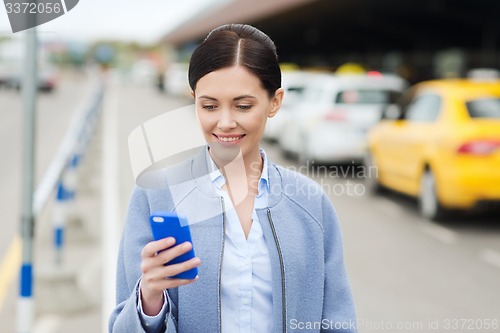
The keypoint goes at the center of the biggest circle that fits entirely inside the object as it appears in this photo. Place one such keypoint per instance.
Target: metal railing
(59, 184)
(71, 151)
(61, 177)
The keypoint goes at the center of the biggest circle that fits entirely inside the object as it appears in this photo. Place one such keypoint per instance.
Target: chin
(223, 152)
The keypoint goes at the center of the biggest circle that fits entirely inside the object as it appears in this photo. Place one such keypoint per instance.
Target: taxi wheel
(372, 185)
(429, 205)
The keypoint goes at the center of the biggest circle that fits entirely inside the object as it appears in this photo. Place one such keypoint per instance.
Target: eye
(244, 107)
(208, 107)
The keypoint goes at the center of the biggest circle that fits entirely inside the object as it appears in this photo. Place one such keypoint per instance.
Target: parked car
(12, 67)
(441, 145)
(5, 73)
(330, 123)
(294, 84)
(176, 80)
(47, 78)
(143, 72)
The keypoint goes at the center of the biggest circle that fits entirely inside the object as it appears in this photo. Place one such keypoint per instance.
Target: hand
(155, 275)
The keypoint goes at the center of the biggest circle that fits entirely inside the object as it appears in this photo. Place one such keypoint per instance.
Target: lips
(229, 138)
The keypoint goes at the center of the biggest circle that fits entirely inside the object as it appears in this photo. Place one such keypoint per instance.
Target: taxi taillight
(479, 147)
(335, 115)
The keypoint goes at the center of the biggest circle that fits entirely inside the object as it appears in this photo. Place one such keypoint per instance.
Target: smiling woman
(269, 253)
(237, 114)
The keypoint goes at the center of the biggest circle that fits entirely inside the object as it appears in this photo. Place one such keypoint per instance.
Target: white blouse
(247, 304)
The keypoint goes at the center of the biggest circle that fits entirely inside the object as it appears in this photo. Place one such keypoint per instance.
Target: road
(407, 274)
(53, 117)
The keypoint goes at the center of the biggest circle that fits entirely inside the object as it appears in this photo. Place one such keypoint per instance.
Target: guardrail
(71, 150)
(59, 184)
(61, 177)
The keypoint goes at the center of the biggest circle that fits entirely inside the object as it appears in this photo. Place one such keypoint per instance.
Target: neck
(250, 166)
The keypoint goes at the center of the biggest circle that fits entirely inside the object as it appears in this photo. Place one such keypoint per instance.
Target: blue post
(25, 306)
(65, 196)
(71, 178)
(59, 221)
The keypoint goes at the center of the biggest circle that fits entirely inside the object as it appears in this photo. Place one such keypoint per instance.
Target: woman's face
(233, 107)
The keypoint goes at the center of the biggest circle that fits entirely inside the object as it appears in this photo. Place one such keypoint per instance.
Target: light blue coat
(310, 284)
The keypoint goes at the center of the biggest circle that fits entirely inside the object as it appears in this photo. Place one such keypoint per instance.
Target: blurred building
(419, 39)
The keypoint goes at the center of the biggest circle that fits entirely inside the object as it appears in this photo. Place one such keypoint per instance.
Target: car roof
(388, 81)
(460, 91)
(462, 87)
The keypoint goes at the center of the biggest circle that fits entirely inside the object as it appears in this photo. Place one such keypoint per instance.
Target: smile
(229, 138)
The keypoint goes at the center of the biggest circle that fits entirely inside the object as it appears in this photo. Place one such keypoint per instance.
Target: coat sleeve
(136, 234)
(338, 306)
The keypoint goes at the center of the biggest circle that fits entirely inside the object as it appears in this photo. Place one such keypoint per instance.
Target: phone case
(169, 224)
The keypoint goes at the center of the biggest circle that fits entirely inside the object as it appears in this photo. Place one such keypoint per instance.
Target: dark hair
(237, 44)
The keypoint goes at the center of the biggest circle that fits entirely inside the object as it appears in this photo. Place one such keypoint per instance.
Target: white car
(294, 84)
(143, 72)
(176, 80)
(12, 67)
(330, 123)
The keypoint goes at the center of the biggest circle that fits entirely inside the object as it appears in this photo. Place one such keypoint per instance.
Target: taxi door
(416, 139)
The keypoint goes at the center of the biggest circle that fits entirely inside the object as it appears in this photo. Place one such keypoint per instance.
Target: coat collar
(200, 176)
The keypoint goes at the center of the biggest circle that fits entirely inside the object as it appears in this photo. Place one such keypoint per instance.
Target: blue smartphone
(169, 224)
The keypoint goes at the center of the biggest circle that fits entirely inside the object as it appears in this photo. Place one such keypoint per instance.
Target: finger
(174, 283)
(161, 259)
(151, 270)
(158, 282)
(172, 253)
(154, 279)
(152, 248)
(175, 269)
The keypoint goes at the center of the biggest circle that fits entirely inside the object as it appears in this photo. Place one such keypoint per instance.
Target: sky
(144, 21)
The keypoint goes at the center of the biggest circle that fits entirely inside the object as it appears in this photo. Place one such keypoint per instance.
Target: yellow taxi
(441, 144)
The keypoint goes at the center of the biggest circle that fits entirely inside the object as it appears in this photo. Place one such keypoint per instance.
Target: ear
(276, 102)
(192, 93)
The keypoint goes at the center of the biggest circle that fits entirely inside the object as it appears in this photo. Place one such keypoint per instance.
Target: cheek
(206, 121)
(260, 120)
(256, 126)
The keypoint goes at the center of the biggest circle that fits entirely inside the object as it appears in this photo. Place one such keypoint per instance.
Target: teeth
(229, 139)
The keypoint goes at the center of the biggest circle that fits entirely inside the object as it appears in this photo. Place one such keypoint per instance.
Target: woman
(267, 239)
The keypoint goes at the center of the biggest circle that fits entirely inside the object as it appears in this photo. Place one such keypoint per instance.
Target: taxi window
(356, 96)
(484, 108)
(292, 95)
(295, 90)
(424, 108)
(312, 94)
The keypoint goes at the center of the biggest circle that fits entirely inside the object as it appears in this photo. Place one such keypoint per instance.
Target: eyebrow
(234, 99)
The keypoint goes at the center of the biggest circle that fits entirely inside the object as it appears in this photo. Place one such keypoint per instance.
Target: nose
(226, 121)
